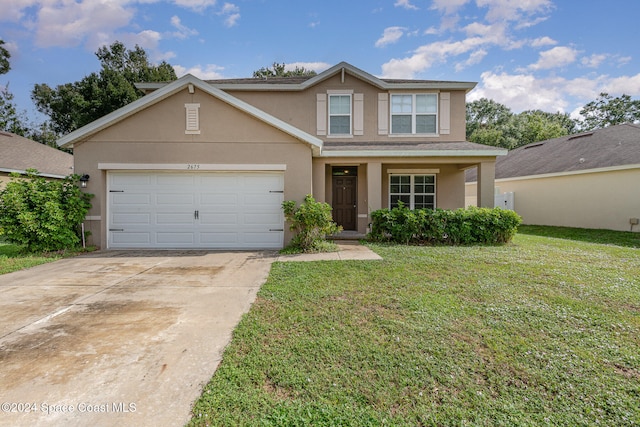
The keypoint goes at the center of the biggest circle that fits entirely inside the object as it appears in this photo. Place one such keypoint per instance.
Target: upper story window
(339, 114)
(414, 114)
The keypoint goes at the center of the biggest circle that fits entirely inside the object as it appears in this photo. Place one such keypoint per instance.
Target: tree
(278, 70)
(491, 123)
(10, 119)
(73, 105)
(5, 66)
(608, 111)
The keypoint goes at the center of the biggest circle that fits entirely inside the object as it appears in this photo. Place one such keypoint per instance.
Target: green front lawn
(543, 331)
(13, 257)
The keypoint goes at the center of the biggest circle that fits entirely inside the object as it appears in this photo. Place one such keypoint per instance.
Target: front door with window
(345, 201)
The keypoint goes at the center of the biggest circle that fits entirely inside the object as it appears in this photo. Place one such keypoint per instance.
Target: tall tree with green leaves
(278, 70)
(10, 119)
(5, 65)
(608, 111)
(73, 105)
(492, 123)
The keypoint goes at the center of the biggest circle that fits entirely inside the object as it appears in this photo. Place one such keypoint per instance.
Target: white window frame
(330, 115)
(414, 114)
(412, 192)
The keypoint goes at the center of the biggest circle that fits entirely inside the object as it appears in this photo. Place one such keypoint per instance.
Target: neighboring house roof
(172, 88)
(17, 154)
(601, 148)
(296, 83)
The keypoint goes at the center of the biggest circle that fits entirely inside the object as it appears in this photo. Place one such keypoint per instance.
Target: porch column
(486, 184)
(318, 181)
(374, 186)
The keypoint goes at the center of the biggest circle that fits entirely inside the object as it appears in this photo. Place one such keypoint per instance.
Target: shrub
(43, 215)
(311, 221)
(439, 226)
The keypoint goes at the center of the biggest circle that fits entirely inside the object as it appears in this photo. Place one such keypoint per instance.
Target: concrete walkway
(349, 250)
(124, 337)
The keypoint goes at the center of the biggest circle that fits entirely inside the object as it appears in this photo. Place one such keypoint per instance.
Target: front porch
(356, 187)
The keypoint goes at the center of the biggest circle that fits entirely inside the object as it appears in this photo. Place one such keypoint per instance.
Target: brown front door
(344, 201)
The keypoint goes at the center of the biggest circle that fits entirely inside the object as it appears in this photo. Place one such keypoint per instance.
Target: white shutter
(193, 119)
(445, 113)
(383, 113)
(358, 114)
(321, 113)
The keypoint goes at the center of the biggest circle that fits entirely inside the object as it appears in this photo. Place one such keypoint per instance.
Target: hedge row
(454, 227)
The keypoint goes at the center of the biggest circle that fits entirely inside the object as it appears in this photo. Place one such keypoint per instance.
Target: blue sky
(554, 55)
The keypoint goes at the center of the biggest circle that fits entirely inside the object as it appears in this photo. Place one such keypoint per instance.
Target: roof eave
(413, 153)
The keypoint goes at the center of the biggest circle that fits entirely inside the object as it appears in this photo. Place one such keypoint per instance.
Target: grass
(543, 331)
(13, 257)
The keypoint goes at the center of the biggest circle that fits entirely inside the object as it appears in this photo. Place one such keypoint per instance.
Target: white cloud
(183, 31)
(209, 72)
(232, 13)
(13, 10)
(629, 85)
(390, 35)
(520, 92)
(543, 41)
(196, 5)
(69, 23)
(314, 66)
(448, 6)
(527, 92)
(406, 4)
(509, 10)
(475, 58)
(558, 56)
(594, 60)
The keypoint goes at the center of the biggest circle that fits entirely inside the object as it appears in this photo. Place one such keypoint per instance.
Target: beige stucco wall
(156, 135)
(299, 108)
(587, 200)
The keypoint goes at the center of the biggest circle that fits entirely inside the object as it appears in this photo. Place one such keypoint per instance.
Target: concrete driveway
(119, 338)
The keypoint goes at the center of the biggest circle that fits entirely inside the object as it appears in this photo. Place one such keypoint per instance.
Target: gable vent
(193, 119)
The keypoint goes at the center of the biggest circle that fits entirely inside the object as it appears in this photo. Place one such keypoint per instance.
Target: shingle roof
(611, 146)
(409, 149)
(17, 154)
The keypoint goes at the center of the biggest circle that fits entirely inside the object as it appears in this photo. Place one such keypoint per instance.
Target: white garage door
(214, 210)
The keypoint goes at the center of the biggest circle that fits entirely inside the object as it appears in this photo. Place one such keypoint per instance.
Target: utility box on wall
(504, 201)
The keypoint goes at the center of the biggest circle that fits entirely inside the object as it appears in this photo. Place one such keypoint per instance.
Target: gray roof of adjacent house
(601, 148)
(17, 154)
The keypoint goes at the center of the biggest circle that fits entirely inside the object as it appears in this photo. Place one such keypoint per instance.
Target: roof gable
(172, 88)
(299, 83)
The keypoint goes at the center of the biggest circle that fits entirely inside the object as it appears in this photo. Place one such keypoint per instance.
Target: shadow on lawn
(607, 237)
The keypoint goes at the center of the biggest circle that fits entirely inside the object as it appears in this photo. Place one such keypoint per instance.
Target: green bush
(456, 227)
(312, 222)
(43, 215)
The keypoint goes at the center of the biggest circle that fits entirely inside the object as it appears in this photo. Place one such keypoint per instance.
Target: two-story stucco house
(197, 164)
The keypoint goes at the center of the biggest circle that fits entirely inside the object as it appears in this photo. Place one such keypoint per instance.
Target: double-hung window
(415, 191)
(339, 114)
(414, 113)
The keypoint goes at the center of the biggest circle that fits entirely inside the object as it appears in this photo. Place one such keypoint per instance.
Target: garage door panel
(163, 237)
(131, 218)
(175, 199)
(130, 199)
(220, 240)
(218, 199)
(175, 219)
(271, 219)
(197, 209)
(219, 219)
(131, 239)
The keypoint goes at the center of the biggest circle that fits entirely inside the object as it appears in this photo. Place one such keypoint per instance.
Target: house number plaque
(193, 166)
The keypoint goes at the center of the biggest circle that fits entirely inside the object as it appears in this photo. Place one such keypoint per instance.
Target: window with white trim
(415, 191)
(339, 114)
(414, 113)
